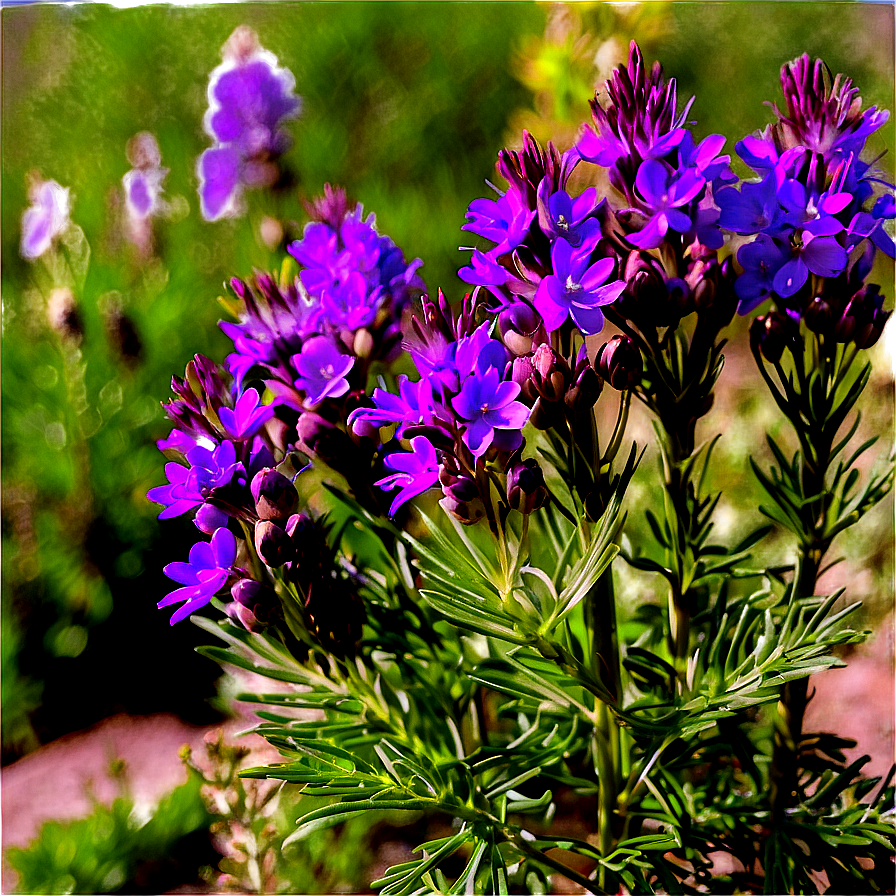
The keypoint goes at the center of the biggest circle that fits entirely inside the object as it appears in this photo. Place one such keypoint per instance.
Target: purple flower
(413, 405)
(349, 304)
(561, 216)
(504, 221)
(484, 271)
(486, 403)
(820, 254)
(664, 192)
(143, 183)
(46, 219)
(203, 576)
(246, 417)
(761, 260)
(189, 486)
(754, 208)
(249, 97)
(576, 290)
(219, 170)
(322, 369)
(416, 471)
(639, 122)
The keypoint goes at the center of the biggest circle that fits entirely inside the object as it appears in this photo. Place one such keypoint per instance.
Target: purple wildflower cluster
(250, 96)
(314, 341)
(310, 345)
(548, 251)
(460, 415)
(814, 213)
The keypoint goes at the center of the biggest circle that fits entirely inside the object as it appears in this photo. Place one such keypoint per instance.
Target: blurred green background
(406, 105)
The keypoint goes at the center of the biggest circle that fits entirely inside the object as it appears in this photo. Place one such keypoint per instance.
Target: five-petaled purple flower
(665, 195)
(46, 219)
(203, 576)
(247, 415)
(415, 472)
(322, 368)
(486, 403)
(188, 486)
(576, 289)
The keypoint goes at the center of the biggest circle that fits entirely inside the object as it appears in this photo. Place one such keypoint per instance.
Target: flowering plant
(484, 659)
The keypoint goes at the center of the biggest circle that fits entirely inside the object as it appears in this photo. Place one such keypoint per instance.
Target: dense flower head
(813, 207)
(314, 338)
(46, 219)
(250, 96)
(463, 408)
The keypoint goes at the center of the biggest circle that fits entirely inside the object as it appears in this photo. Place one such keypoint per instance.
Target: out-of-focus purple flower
(415, 472)
(143, 183)
(46, 219)
(486, 403)
(576, 290)
(250, 96)
(761, 261)
(203, 576)
(247, 415)
(322, 368)
(664, 193)
(753, 208)
(219, 170)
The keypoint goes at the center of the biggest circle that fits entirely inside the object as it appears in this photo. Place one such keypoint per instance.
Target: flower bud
(619, 363)
(552, 373)
(273, 544)
(246, 591)
(819, 316)
(870, 316)
(323, 439)
(64, 315)
(209, 519)
(582, 395)
(521, 328)
(772, 333)
(461, 497)
(526, 490)
(274, 495)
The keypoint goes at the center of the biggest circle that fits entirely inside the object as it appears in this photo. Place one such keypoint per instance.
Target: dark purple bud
(246, 591)
(680, 299)
(274, 495)
(64, 316)
(209, 519)
(461, 497)
(526, 490)
(870, 318)
(122, 333)
(584, 392)
(327, 442)
(619, 363)
(772, 333)
(819, 316)
(273, 544)
(521, 328)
